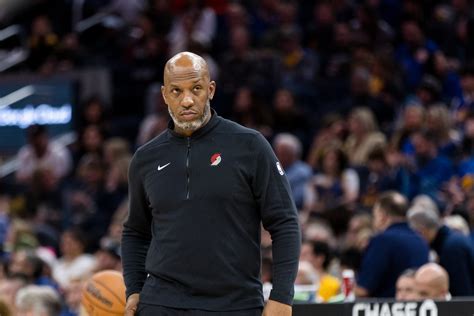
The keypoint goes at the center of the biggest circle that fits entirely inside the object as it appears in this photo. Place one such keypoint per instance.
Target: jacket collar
(213, 121)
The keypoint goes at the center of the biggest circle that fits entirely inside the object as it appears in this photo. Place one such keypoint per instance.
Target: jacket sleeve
(279, 217)
(136, 234)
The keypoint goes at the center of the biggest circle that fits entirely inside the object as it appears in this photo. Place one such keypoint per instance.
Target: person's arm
(279, 217)
(136, 234)
(374, 264)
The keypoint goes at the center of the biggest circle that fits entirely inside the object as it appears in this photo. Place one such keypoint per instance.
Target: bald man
(198, 195)
(432, 282)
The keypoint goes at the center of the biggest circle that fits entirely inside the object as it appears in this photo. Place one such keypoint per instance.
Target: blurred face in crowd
(243, 100)
(379, 218)
(413, 117)
(331, 162)
(432, 282)
(467, 83)
(70, 247)
(187, 91)
(239, 39)
(405, 289)
(284, 100)
(412, 33)
(423, 147)
(93, 112)
(41, 26)
(323, 14)
(92, 138)
(306, 253)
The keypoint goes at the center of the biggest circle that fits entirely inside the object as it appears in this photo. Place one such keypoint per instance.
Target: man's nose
(187, 100)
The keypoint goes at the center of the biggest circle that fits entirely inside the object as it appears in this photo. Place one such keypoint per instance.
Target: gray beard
(193, 125)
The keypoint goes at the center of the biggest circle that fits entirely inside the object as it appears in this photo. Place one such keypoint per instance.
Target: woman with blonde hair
(439, 122)
(364, 136)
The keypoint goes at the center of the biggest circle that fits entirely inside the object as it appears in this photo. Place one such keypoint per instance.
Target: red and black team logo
(216, 159)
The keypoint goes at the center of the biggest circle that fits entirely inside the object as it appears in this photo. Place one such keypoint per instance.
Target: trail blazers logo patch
(216, 159)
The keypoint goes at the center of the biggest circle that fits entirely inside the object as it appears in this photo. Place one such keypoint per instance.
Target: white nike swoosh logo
(163, 167)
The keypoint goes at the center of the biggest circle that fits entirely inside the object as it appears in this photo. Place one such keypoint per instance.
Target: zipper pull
(189, 142)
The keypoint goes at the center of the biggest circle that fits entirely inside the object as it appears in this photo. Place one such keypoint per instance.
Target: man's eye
(197, 88)
(175, 91)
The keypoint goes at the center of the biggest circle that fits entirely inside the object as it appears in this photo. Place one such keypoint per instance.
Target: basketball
(104, 294)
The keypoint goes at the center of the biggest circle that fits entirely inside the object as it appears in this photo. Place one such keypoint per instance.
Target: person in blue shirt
(395, 248)
(288, 150)
(455, 251)
(431, 170)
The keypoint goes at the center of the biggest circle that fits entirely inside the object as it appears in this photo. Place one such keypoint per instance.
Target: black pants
(155, 310)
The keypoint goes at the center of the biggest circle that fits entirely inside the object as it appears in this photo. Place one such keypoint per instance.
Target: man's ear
(212, 89)
(163, 94)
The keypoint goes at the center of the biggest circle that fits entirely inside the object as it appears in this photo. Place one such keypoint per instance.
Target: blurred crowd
(356, 97)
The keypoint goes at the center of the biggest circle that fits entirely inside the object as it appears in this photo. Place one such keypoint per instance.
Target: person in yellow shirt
(320, 255)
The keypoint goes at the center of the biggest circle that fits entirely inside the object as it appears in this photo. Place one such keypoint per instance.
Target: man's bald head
(432, 281)
(185, 65)
(187, 92)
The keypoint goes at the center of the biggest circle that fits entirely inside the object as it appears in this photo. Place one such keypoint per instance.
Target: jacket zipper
(187, 169)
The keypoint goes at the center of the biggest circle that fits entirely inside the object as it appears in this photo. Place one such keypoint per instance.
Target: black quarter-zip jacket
(192, 236)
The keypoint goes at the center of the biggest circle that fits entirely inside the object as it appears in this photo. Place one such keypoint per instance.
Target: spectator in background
(406, 287)
(74, 263)
(363, 136)
(465, 104)
(249, 111)
(114, 149)
(449, 80)
(196, 23)
(331, 134)
(93, 112)
(455, 251)
(26, 262)
(414, 52)
(370, 30)
(42, 43)
(438, 122)
(431, 170)
(288, 117)
(288, 150)
(320, 256)
(91, 141)
(306, 276)
(376, 178)
(72, 295)
(108, 257)
(428, 92)
(9, 288)
(390, 252)
(245, 66)
(297, 66)
(432, 282)
(333, 190)
(412, 120)
(37, 300)
(41, 153)
(359, 232)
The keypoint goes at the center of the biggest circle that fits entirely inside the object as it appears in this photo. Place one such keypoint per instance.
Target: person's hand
(274, 308)
(132, 304)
